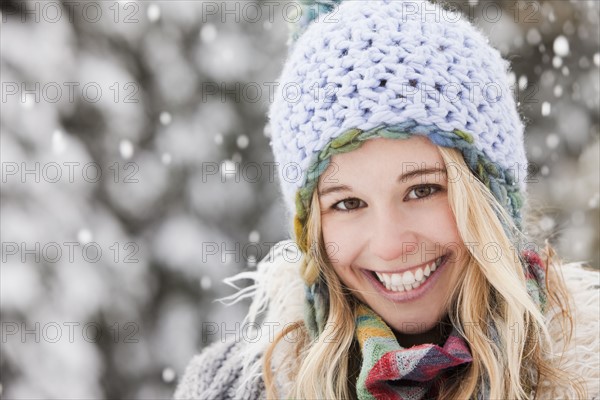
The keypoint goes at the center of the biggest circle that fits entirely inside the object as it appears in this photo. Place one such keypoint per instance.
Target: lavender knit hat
(362, 69)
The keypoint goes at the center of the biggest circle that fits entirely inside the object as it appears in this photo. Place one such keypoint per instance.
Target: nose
(393, 235)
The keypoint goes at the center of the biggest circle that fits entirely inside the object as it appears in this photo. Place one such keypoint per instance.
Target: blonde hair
(487, 291)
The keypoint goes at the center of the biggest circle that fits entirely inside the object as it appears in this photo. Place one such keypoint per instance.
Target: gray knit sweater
(216, 374)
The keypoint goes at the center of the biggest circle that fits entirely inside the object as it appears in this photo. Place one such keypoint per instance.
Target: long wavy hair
(487, 291)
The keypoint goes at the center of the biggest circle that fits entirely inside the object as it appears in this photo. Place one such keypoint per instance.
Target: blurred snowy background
(132, 136)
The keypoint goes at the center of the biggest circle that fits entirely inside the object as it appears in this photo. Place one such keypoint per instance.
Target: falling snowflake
(561, 46)
(557, 62)
(242, 141)
(558, 91)
(228, 169)
(552, 141)
(28, 102)
(205, 283)
(546, 223)
(165, 118)
(58, 142)
(523, 82)
(208, 33)
(84, 236)
(126, 149)
(153, 12)
(168, 375)
(546, 108)
(254, 236)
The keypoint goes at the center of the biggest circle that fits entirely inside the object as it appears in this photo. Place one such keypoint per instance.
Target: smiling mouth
(408, 280)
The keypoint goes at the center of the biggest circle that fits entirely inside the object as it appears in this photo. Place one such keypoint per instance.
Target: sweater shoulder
(581, 354)
(217, 373)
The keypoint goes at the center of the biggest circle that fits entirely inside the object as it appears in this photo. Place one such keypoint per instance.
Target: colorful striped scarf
(392, 372)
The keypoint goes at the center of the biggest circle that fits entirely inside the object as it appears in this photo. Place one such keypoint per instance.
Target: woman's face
(389, 231)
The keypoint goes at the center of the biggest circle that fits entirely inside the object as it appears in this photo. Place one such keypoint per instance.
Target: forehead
(380, 155)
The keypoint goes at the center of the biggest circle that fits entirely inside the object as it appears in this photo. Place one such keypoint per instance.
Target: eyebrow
(402, 178)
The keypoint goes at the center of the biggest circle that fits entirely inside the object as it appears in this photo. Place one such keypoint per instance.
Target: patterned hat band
(502, 183)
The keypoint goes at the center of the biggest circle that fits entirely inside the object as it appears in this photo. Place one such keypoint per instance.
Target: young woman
(410, 276)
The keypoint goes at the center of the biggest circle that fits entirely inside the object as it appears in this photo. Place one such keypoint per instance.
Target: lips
(408, 280)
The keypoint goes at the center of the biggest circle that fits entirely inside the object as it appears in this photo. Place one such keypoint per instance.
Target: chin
(413, 322)
(413, 328)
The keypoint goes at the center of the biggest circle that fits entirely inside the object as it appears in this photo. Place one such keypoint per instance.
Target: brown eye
(347, 205)
(423, 192)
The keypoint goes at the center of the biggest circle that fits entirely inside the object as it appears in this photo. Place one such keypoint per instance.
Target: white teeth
(427, 271)
(408, 278)
(385, 278)
(419, 275)
(408, 281)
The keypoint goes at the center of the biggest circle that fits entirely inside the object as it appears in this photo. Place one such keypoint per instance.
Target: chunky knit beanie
(362, 69)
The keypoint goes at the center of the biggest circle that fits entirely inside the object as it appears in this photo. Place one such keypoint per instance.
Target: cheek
(439, 212)
(340, 243)
(441, 218)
